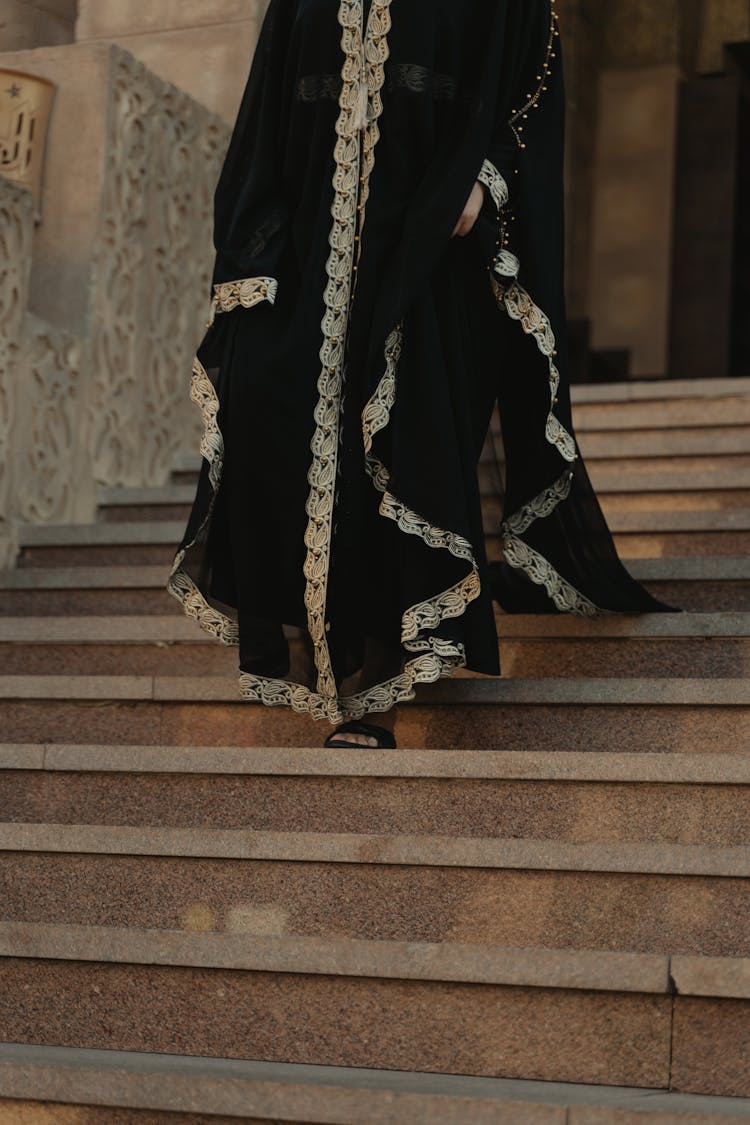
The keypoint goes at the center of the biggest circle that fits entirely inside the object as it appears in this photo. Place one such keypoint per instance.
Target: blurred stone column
(631, 261)
(581, 27)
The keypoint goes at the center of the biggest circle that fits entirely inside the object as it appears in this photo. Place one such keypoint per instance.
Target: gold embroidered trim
(247, 293)
(354, 164)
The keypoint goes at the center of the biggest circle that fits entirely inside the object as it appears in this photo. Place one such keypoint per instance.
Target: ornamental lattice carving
(52, 479)
(151, 277)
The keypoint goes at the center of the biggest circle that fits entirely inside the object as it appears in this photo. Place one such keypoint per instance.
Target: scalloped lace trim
(565, 596)
(541, 506)
(180, 585)
(358, 133)
(449, 603)
(520, 306)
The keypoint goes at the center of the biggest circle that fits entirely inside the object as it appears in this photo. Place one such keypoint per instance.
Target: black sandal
(386, 739)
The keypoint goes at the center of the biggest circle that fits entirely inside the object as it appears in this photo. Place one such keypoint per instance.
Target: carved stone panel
(16, 234)
(52, 480)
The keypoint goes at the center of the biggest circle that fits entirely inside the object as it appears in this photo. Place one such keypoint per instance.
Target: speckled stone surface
(139, 554)
(564, 810)
(683, 544)
(704, 596)
(77, 602)
(690, 656)
(61, 721)
(552, 909)
(598, 1115)
(55, 1113)
(157, 659)
(618, 728)
(629, 728)
(717, 499)
(541, 1033)
(521, 658)
(711, 1046)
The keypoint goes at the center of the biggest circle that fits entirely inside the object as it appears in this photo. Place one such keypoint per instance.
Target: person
(389, 267)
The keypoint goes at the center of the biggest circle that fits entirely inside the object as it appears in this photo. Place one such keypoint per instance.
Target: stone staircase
(541, 916)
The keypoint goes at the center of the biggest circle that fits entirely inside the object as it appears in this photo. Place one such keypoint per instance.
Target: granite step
(699, 584)
(149, 1085)
(658, 645)
(609, 1018)
(659, 415)
(634, 809)
(700, 480)
(653, 844)
(151, 543)
(680, 715)
(671, 451)
(648, 390)
(630, 500)
(676, 897)
(631, 545)
(700, 522)
(147, 534)
(90, 591)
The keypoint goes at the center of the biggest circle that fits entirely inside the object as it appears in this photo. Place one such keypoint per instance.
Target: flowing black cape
(357, 350)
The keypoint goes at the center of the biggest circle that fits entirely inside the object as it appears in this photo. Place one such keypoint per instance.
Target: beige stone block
(24, 23)
(210, 63)
(64, 243)
(111, 18)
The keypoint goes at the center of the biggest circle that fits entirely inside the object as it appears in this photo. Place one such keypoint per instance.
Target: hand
(474, 204)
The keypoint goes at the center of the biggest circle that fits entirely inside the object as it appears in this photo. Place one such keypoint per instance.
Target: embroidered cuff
(247, 293)
(495, 183)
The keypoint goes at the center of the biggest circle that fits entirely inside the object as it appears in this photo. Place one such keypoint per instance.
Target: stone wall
(36, 23)
(203, 47)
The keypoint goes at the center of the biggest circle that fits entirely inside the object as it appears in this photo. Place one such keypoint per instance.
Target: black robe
(357, 350)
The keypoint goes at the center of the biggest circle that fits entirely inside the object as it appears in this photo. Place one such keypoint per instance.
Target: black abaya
(357, 351)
